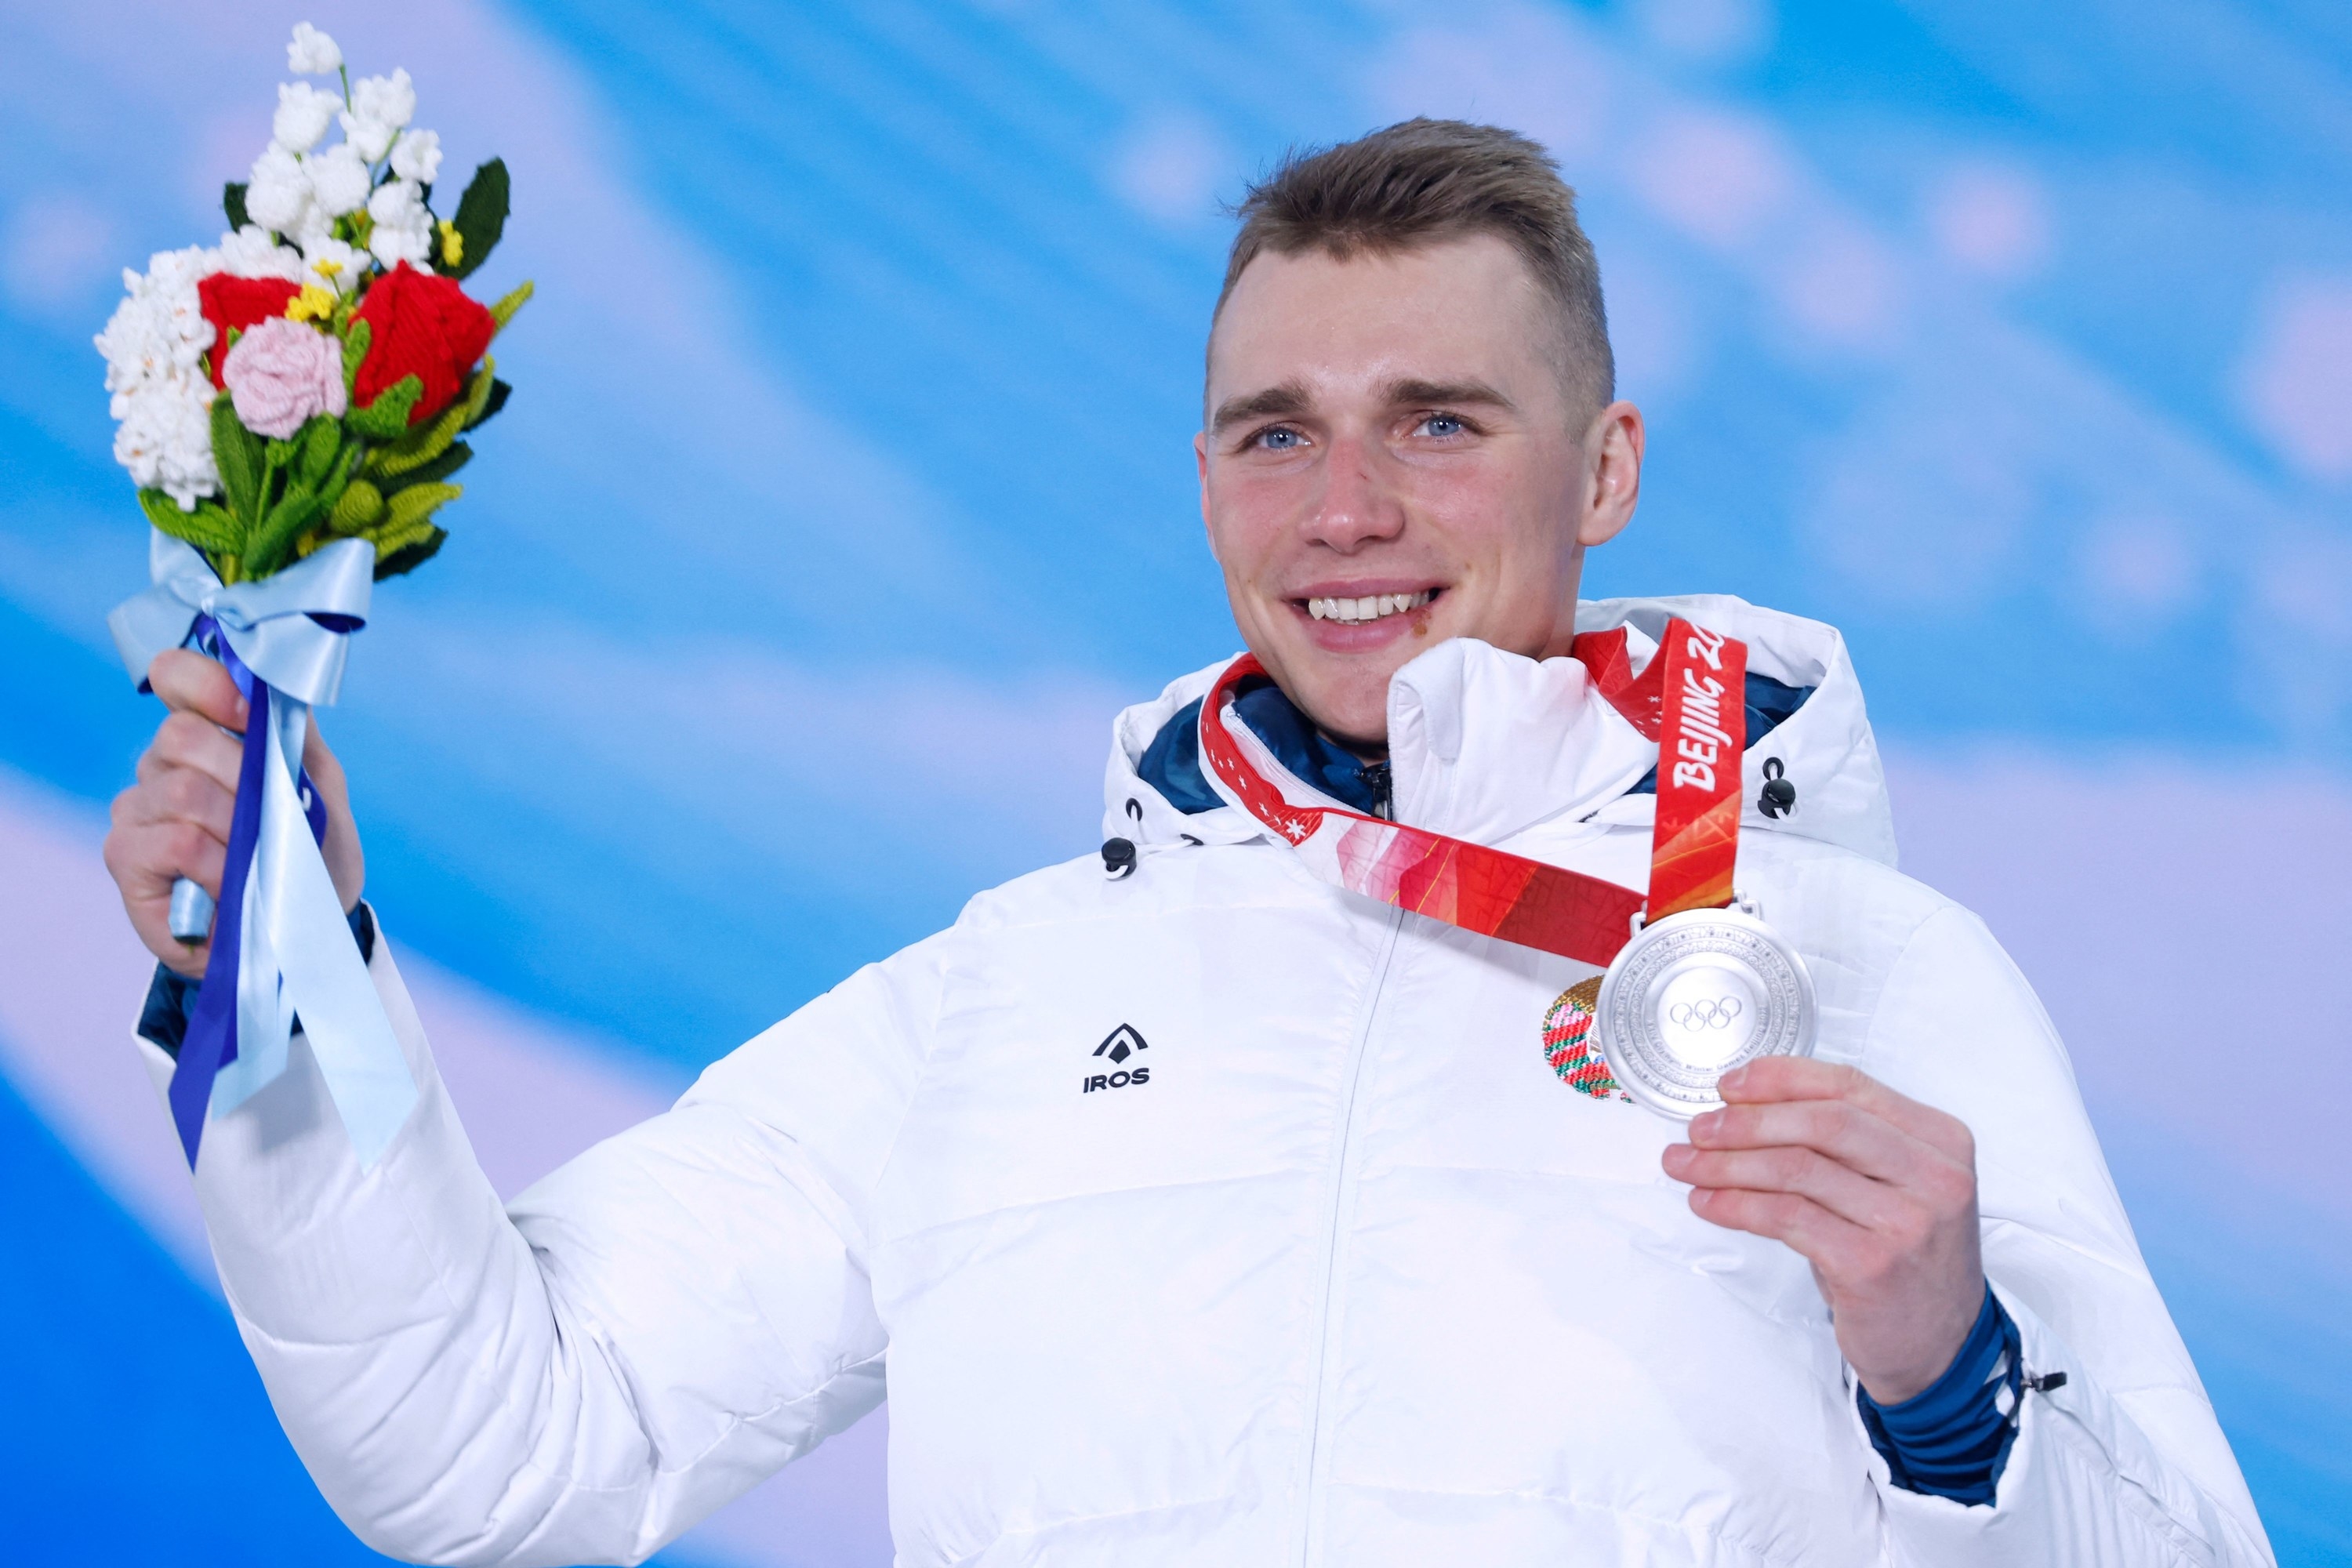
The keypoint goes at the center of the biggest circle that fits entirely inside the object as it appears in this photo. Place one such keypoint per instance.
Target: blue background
(847, 493)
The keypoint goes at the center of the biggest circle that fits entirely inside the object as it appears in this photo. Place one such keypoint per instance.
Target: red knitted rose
(239, 304)
(424, 325)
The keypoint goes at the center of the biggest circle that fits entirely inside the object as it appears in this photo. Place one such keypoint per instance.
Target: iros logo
(1117, 1047)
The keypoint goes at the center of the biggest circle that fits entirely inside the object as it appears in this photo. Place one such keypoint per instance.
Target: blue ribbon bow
(279, 940)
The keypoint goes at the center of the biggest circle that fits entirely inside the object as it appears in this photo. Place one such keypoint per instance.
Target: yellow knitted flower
(312, 304)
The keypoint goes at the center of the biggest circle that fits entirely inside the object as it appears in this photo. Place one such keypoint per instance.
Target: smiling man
(1217, 1202)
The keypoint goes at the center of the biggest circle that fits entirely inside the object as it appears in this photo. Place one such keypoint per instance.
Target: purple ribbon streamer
(210, 1043)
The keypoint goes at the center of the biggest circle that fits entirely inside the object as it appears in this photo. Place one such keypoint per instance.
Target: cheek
(1248, 517)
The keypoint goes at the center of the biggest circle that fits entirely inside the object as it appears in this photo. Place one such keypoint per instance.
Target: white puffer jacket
(1335, 1270)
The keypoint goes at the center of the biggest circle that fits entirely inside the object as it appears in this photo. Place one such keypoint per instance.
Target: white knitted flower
(303, 115)
(370, 138)
(417, 157)
(381, 107)
(339, 181)
(154, 345)
(331, 264)
(251, 253)
(278, 195)
(312, 53)
(403, 229)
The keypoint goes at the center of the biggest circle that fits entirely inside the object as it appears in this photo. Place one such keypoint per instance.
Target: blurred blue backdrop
(846, 494)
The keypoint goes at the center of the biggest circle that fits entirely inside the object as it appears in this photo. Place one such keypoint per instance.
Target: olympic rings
(1714, 1013)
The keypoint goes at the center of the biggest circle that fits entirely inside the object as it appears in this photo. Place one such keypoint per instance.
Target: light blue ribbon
(269, 623)
(294, 950)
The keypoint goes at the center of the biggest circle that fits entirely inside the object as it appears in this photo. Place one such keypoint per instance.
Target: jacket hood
(1483, 745)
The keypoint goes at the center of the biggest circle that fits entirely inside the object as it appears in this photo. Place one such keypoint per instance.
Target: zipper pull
(1375, 776)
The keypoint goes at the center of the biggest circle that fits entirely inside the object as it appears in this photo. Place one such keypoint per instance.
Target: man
(1206, 1212)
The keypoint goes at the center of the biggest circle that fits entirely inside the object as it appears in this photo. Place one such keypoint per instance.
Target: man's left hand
(1877, 1192)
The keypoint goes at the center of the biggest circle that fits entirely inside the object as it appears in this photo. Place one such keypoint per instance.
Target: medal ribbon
(1498, 894)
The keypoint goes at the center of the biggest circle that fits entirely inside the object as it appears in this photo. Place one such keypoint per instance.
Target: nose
(1358, 505)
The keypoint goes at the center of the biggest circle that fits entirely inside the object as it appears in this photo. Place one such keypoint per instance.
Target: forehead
(1460, 308)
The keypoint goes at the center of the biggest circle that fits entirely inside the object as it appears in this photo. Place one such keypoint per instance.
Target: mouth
(1365, 608)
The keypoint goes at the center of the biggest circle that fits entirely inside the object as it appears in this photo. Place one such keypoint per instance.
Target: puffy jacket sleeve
(641, 1336)
(2124, 1464)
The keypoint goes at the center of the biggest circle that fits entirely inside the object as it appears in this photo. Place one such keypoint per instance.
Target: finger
(188, 682)
(346, 863)
(1799, 1222)
(1800, 1173)
(187, 740)
(326, 770)
(1802, 1077)
(178, 795)
(1837, 1128)
(147, 858)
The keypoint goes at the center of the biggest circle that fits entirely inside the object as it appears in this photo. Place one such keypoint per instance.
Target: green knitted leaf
(478, 391)
(413, 506)
(438, 468)
(481, 216)
(420, 445)
(386, 419)
(499, 393)
(409, 552)
(504, 310)
(321, 440)
(355, 348)
(233, 204)
(208, 528)
(237, 453)
(357, 509)
(273, 546)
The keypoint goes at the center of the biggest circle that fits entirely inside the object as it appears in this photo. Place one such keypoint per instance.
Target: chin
(1349, 706)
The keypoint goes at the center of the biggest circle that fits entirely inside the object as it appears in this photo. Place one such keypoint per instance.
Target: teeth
(1370, 607)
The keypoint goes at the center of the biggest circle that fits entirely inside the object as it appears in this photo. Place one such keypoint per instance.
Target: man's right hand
(174, 821)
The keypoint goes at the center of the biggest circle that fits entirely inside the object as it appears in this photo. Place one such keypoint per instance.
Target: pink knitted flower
(281, 374)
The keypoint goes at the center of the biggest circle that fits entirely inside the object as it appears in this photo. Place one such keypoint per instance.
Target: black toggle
(1779, 796)
(1119, 856)
(2047, 1383)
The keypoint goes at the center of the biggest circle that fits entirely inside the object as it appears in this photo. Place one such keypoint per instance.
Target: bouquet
(292, 403)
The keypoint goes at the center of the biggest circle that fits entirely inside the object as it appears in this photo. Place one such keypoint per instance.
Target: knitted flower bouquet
(331, 317)
(292, 402)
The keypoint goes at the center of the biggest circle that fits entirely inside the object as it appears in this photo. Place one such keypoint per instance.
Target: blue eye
(1442, 425)
(1281, 438)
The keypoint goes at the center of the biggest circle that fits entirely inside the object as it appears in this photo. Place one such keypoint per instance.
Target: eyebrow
(1290, 397)
(1443, 392)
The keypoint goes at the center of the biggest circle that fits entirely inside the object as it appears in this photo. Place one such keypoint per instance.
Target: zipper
(1343, 1191)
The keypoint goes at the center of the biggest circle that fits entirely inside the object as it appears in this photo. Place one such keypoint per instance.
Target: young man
(1205, 1211)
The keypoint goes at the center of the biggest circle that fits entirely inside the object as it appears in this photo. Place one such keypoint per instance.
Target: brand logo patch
(1117, 1045)
(1568, 1043)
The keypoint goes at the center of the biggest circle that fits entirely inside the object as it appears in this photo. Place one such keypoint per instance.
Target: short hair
(1423, 181)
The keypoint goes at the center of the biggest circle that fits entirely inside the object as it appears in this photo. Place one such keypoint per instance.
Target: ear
(1201, 465)
(1612, 447)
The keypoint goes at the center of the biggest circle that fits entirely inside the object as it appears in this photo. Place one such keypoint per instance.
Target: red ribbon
(1693, 694)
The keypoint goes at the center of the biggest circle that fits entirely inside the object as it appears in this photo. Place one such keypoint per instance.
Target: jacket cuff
(1953, 1437)
(171, 997)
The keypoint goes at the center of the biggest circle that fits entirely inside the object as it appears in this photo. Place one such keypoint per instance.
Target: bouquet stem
(191, 912)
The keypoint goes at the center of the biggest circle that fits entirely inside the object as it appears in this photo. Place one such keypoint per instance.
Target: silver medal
(1692, 997)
